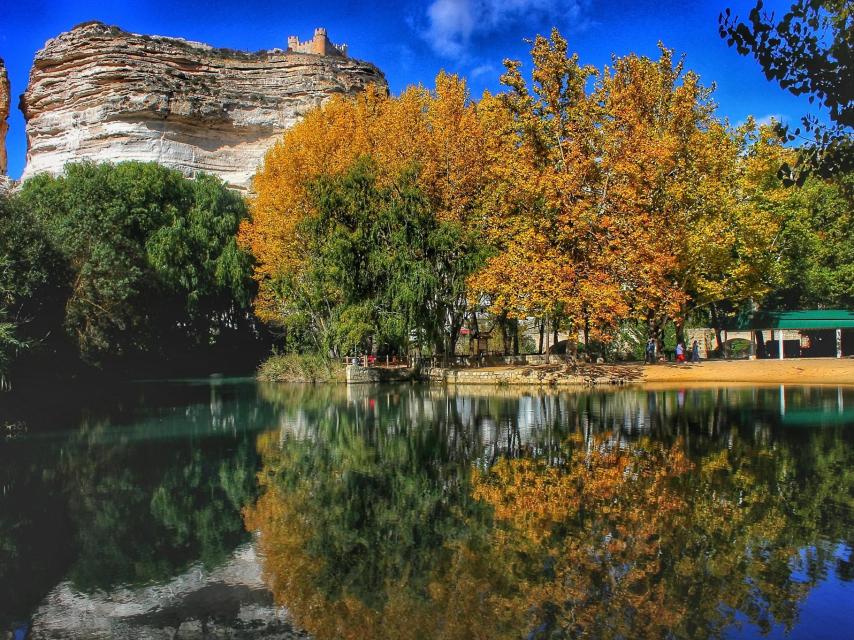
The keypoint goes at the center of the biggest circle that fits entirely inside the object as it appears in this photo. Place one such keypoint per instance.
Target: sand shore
(793, 371)
(813, 371)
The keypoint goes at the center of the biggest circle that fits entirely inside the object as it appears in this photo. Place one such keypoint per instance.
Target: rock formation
(103, 94)
(4, 113)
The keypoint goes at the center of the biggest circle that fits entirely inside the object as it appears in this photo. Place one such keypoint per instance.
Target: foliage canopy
(148, 259)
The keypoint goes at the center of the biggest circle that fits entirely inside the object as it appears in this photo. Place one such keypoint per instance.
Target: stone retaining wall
(551, 376)
(365, 375)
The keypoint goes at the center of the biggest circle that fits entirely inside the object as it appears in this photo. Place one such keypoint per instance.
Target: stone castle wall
(319, 45)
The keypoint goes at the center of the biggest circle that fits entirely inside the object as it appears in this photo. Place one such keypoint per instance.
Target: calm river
(223, 508)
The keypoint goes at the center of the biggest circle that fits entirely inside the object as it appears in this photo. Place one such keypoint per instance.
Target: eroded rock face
(4, 113)
(99, 93)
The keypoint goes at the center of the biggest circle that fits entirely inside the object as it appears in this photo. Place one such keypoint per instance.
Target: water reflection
(191, 510)
(609, 515)
(134, 492)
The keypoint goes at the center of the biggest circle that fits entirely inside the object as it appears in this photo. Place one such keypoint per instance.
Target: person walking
(695, 351)
(650, 351)
(680, 352)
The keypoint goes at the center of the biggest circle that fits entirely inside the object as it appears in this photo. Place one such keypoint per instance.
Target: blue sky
(411, 40)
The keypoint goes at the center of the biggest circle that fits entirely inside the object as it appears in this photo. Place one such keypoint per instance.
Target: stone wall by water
(551, 375)
(366, 375)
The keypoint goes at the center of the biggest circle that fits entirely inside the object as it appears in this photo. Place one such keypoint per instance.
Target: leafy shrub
(295, 367)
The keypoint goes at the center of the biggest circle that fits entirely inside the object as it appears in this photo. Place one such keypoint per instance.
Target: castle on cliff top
(319, 45)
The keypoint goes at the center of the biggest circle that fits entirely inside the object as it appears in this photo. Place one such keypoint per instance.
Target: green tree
(30, 273)
(381, 266)
(154, 266)
(818, 255)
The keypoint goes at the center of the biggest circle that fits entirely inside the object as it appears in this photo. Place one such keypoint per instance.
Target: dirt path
(829, 371)
(793, 371)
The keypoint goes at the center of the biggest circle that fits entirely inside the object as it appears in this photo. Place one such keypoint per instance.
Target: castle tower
(320, 45)
(320, 42)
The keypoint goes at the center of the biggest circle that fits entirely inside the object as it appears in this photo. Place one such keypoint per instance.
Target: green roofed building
(821, 332)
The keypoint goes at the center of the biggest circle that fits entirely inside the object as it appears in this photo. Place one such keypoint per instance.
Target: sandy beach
(811, 371)
(793, 371)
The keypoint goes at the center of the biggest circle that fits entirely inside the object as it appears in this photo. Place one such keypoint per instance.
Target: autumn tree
(436, 133)
(615, 194)
(541, 219)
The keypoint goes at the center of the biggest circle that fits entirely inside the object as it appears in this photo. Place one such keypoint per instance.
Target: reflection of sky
(825, 613)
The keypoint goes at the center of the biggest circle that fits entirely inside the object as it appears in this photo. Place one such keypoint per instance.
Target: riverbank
(829, 371)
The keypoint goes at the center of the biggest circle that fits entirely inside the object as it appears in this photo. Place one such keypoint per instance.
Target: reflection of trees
(127, 498)
(33, 525)
(142, 514)
(409, 514)
(364, 515)
(640, 542)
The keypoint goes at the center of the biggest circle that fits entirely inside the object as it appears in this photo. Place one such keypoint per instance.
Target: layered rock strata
(4, 114)
(99, 93)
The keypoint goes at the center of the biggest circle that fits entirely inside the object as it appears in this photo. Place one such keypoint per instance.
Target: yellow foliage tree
(437, 131)
(625, 198)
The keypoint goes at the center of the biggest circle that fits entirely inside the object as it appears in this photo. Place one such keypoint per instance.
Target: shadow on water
(222, 507)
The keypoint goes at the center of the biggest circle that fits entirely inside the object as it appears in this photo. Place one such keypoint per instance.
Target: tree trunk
(656, 332)
(651, 334)
(454, 335)
(542, 325)
(546, 331)
(716, 325)
(571, 342)
(505, 338)
(760, 344)
(679, 321)
(515, 337)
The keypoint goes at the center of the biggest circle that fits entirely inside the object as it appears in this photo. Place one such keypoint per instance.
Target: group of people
(680, 351)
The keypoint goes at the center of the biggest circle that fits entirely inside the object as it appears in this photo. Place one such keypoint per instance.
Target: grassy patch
(294, 367)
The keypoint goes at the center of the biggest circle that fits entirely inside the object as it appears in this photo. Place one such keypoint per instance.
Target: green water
(224, 508)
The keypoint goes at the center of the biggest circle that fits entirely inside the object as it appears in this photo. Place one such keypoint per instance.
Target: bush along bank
(294, 367)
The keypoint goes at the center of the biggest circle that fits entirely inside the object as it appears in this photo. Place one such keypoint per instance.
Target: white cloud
(452, 24)
(481, 70)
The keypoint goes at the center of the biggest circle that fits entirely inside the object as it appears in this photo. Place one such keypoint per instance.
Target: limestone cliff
(103, 94)
(4, 113)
